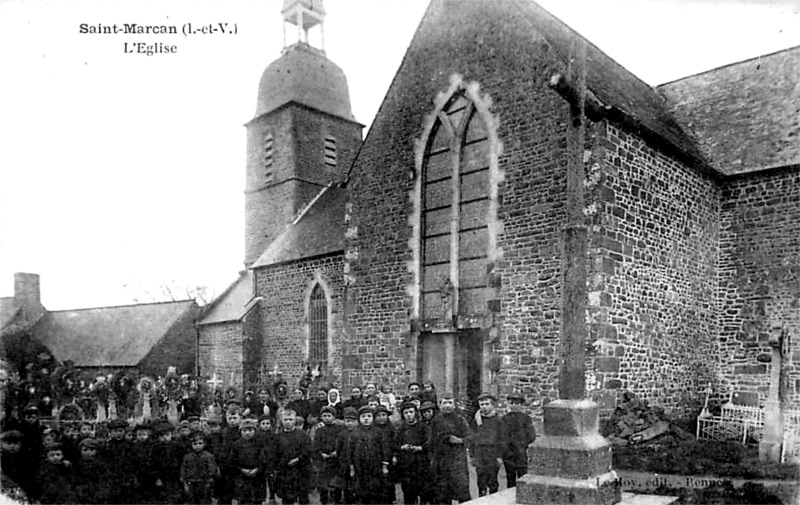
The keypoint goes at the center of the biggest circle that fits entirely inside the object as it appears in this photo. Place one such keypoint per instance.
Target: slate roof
(643, 108)
(745, 116)
(233, 303)
(8, 310)
(108, 336)
(319, 230)
(304, 75)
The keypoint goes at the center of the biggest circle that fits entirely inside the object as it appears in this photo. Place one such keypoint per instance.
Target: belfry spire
(305, 15)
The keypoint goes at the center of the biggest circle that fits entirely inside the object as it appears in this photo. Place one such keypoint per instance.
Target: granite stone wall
(652, 285)
(286, 288)
(759, 279)
(220, 352)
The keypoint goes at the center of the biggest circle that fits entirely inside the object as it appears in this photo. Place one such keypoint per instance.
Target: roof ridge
(122, 306)
(727, 65)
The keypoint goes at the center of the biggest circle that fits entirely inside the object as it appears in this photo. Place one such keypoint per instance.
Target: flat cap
(328, 409)
(410, 405)
(427, 406)
(350, 413)
(89, 442)
(11, 435)
(247, 423)
(366, 409)
(487, 396)
(515, 396)
(117, 423)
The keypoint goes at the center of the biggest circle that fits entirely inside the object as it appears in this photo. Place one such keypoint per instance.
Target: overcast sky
(120, 172)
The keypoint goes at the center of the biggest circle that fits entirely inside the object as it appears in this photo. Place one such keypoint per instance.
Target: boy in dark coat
(55, 477)
(215, 444)
(411, 449)
(368, 456)
(449, 434)
(487, 444)
(265, 438)
(324, 452)
(245, 462)
(519, 432)
(117, 457)
(167, 459)
(342, 447)
(91, 475)
(292, 460)
(14, 463)
(382, 422)
(143, 463)
(198, 471)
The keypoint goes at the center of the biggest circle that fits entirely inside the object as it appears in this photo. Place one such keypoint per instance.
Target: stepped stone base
(571, 461)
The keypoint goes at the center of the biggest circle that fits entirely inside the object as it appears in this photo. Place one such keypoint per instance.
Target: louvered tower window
(268, 147)
(318, 328)
(330, 151)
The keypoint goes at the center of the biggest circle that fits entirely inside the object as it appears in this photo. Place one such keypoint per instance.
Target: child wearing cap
(368, 457)
(411, 450)
(167, 458)
(198, 471)
(518, 427)
(382, 422)
(265, 438)
(342, 447)
(55, 477)
(449, 435)
(324, 453)
(143, 462)
(15, 464)
(487, 444)
(117, 456)
(91, 474)
(245, 460)
(292, 460)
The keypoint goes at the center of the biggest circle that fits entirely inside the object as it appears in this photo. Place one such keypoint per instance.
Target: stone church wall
(220, 352)
(512, 72)
(759, 278)
(285, 289)
(652, 284)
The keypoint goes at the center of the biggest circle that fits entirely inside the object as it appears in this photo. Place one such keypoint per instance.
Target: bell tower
(303, 135)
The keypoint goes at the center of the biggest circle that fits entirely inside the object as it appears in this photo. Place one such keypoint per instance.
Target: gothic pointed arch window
(455, 213)
(318, 327)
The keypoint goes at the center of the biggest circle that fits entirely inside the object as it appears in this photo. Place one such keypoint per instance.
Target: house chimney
(26, 293)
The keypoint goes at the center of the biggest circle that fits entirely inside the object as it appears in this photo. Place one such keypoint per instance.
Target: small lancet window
(318, 328)
(330, 151)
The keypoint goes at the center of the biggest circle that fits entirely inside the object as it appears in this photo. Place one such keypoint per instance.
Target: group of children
(355, 451)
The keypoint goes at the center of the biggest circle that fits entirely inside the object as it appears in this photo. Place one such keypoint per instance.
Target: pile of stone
(635, 421)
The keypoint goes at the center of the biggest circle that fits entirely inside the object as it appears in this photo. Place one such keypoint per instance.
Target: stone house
(437, 252)
(141, 339)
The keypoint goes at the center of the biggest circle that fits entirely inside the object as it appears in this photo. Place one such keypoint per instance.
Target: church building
(436, 249)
